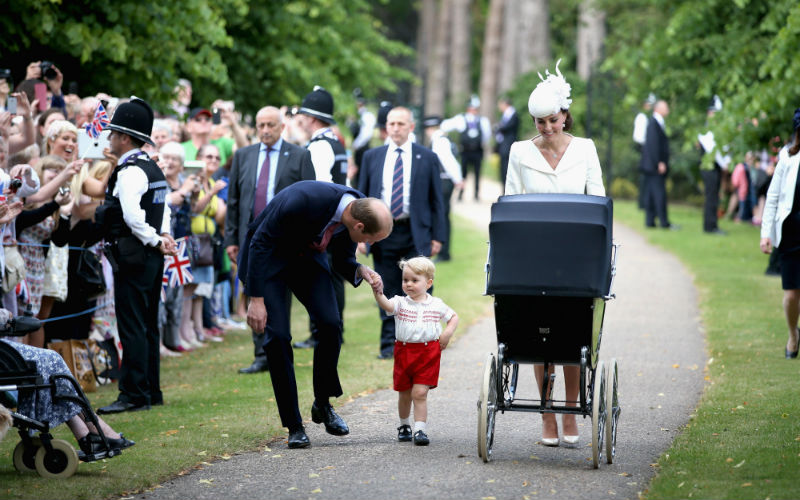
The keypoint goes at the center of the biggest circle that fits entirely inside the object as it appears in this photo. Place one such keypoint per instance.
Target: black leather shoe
(93, 443)
(306, 344)
(259, 365)
(404, 433)
(333, 422)
(298, 439)
(421, 439)
(121, 406)
(386, 355)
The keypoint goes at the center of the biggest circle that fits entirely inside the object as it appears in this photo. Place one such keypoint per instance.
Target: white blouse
(578, 171)
(419, 321)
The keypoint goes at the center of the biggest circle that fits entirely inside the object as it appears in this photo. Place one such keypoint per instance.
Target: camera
(63, 190)
(216, 118)
(11, 104)
(15, 184)
(5, 74)
(48, 73)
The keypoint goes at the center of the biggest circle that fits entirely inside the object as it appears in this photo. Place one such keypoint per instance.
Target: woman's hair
(57, 128)
(97, 170)
(42, 119)
(202, 150)
(422, 266)
(567, 120)
(24, 156)
(795, 147)
(173, 148)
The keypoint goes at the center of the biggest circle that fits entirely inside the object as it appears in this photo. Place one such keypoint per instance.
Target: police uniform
(330, 165)
(132, 219)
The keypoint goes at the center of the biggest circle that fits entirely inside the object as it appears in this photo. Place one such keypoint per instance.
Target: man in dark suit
(285, 250)
(655, 167)
(255, 173)
(407, 177)
(507, 131)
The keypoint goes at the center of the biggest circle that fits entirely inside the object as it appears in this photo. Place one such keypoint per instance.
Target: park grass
(743, 441)
(212, 412)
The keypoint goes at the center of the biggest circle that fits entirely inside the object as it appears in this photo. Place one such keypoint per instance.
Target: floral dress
(32, 253)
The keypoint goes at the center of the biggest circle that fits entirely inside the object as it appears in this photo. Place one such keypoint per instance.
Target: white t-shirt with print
(419, 321)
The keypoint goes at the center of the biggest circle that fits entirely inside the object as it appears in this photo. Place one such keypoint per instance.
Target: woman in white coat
(555, 162)
(780, 228)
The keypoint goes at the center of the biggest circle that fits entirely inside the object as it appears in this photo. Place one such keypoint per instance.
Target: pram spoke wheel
(598, 413)
(26, 462)
(612, 411)
(487, 404)
(60, 463)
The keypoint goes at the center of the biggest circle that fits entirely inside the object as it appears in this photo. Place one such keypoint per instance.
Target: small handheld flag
(99, 122)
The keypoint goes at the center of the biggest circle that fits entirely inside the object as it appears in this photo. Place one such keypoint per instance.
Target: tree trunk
(533, 41)
(508, 58)
(436, 89)
(591, 36)
(425, 36)
(460, 26)
(490, 62)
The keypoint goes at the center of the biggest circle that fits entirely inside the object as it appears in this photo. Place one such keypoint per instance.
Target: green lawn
(744, 439)
(212, 412)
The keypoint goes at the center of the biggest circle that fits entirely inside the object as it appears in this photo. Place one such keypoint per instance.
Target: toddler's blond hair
(419, 265)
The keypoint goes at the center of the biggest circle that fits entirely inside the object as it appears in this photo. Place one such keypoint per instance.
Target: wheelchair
(49, 457)
(550, 268)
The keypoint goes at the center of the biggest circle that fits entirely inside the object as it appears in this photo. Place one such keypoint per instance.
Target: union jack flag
(178, 267)
(99, 122)
(21, 290)
(164, 285)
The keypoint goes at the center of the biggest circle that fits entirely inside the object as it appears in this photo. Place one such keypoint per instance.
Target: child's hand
(443, 343)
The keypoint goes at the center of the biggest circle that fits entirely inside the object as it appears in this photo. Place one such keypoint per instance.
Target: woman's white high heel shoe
(571, 439)
(550, 441)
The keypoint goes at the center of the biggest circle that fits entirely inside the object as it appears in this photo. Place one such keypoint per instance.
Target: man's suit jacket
(294, 164)
(509, 129)
(426, 205)
(283, 233)
(655, 149)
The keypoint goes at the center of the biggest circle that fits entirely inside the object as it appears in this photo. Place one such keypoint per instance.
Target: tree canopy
(255, 53)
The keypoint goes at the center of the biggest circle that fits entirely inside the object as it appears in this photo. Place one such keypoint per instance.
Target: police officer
(329, 157)
(475, 133)
(135, 222)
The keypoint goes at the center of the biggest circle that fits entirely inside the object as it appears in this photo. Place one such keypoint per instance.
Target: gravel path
(653, 331)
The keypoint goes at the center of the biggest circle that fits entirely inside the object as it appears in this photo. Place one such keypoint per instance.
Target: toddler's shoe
(421, 439)
(404, 433)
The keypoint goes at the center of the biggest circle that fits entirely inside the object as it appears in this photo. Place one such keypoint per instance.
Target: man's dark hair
(362, 210)
(136, 142)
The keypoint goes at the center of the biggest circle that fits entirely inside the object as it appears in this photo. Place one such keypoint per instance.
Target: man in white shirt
(451, 174)
(476, 131)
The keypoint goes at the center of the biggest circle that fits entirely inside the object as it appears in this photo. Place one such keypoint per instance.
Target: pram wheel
(25, 460)
(487, 404)
(598, 413)
(60, 463)
(612, 411)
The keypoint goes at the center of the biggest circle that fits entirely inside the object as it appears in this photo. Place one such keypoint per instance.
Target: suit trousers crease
(387, 253)
(313, 287)
(338, 288)
(655, 200)
(137, 294)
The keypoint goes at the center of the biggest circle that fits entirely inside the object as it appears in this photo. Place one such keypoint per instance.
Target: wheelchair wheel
(60, 463)
(612, 411)
(26, 461)
(598, 413)
(487, 408)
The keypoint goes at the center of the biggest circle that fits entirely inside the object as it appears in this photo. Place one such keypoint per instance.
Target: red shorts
(416, 363)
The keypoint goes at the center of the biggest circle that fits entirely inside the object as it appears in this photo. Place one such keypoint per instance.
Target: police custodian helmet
(134, 118)
(318, 104)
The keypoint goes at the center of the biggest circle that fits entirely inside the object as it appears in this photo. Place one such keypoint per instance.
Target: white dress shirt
(640, 128)
(388, 174)
(366, 129)
(441, 145)
(458, 124)
(131, 184)
(577, 172)
(322, 155)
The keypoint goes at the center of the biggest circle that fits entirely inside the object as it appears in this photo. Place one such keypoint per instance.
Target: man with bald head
(258, 173)
(406, 176)
(654, 165)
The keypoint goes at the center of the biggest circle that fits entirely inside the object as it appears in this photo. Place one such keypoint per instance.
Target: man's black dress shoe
(333, 422)
(404, 433)
(421, 439)
(93, 443)
(259, 365)
(386, 355)
(298, 438)
(306, 344)
(121, 406)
